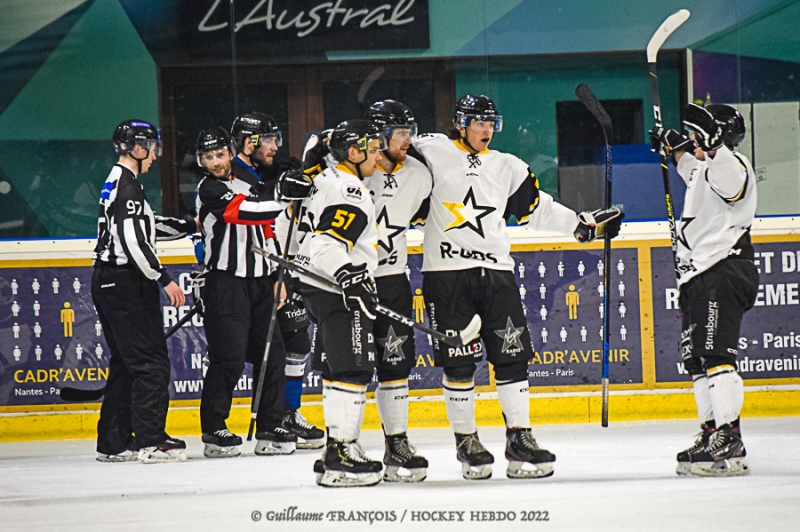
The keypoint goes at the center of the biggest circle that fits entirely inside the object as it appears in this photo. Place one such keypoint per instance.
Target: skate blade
(684, 469)
(401, 474)
(527, 470)
(162, 457)
(310, 444)
(343, 479)
(268, 448)
(215, 451)
(478, 472)
(733, 467)
(117, 458)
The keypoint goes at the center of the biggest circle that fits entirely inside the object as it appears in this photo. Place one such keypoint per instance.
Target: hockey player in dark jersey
(127, 273)
(718, 280)
(468, 268)
(238, 296)
(257, 138)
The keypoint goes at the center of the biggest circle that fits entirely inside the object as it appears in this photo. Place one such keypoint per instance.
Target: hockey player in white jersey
(399, 188)
(341, 241)
(718, 280)
(468, 269)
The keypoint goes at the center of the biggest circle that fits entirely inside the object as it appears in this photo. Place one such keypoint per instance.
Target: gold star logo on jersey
(468, 214)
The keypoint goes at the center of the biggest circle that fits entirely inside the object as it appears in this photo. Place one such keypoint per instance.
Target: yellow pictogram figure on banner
(419, 306)
(573, 300)
(67, 318)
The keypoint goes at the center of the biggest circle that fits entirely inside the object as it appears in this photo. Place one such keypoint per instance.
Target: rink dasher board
(646, 359)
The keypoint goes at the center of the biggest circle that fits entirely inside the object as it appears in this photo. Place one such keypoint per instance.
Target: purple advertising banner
(562, 294)
(50, 337)
(769, 340)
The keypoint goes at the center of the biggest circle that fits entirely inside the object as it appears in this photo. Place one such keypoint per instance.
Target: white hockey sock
(726, 389)
(343, 404)
(515, 402)
(459, 398)
(702, 397)
(392, 399)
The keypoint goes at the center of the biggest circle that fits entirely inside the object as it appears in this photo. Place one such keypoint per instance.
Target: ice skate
(319, 470)
(476, 461)
(525, 458)
(724, 456)
(308, 436)
(221, 444)
(170, 450)
(346, 466)
(402, 462)
(124, 456)
(275, 441)
(686, 457)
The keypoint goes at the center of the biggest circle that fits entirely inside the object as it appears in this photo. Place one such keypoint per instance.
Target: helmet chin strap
(388, 156)
(139, 161)
(358, 166)
(466, 143)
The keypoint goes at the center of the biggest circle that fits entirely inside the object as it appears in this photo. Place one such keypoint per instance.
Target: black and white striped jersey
(718, 210)
(233, 218)
(127, 228)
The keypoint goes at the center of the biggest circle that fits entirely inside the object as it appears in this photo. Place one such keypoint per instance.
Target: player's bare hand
(176, 295)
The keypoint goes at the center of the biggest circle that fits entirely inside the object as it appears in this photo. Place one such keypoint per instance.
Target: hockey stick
(672, 23)
(295, 205)
(465, 336)
(76, 394)
(587, 97)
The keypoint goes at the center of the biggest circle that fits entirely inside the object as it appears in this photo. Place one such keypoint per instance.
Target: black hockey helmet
(731, 122)
(354, 133)
(132, 132)
(470, 108)
(391, 114)
(254, 125)
(211, 139)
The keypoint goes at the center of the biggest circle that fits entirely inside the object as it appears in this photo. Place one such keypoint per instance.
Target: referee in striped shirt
(238, 294)
(125, 291)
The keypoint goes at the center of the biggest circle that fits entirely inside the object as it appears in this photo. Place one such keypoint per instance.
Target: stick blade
(472, 331)
(672, 23)
(75, 395)
(587, 97)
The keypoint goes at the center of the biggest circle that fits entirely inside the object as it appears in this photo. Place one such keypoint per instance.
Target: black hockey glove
(595, 224)
(293, 294)
(358, 289)
(670, 140)
(293, 185)
(708, 133)
(198, 283)
(289, 163)
(315, 150)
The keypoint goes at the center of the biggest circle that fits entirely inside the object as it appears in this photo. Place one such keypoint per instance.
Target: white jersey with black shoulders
(127, 228)
(718, 211)
(472, 198)
(336, 226)
(400, 198)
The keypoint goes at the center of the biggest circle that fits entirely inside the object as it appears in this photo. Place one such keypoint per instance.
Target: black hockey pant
(137, 391)
(236, 323)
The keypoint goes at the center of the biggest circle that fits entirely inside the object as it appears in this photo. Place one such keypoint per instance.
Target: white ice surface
(618, 478)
